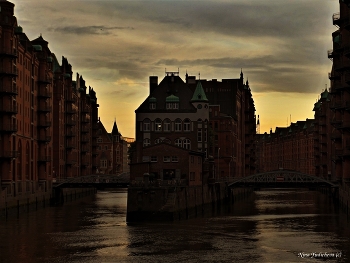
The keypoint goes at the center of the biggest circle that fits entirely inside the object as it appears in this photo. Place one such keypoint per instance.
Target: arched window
(166, 125)
(146, 142)
(167, 141)
(187, 125)
(156, 141)
(158, 125)
(146, 124)
(178, 142)
(178, 125)
(187, 144)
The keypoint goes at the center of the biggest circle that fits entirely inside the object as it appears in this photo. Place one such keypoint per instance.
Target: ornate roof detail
(199, 94)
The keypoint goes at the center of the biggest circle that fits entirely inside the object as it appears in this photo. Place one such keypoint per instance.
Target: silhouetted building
(171, 131)
(289, 148)
(112, 151)
(340, 99)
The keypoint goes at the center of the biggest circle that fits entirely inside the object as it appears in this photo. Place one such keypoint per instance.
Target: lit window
(158, 124)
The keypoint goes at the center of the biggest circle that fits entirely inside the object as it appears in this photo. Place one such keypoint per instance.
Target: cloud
(88, 30)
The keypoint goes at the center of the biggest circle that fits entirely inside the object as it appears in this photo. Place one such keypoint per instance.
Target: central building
(171, 132)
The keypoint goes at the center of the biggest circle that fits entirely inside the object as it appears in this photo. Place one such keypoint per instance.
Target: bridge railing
(158, 183)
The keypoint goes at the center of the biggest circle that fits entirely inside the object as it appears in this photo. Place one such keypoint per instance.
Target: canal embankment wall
(344, 198)
(13, 206)
(149, 202)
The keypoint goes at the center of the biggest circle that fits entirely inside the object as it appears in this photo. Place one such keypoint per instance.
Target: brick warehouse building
(171, 132)
(112, 151)
(229, 138)
(340, 96)
(48, 121)
(232, 125)
(289, 148)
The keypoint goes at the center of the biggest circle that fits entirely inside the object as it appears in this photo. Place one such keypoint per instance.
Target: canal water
(269, 226)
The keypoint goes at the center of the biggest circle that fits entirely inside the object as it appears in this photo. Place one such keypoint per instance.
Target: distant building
(172, 132)
(112, 153)
(289, 148)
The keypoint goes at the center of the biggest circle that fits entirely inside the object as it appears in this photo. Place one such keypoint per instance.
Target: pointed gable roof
(115, 129)
(199, 94)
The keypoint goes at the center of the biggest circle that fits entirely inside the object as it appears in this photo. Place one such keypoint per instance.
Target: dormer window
(152, 106)
(172, 102)
(172, 105)
(152, 103)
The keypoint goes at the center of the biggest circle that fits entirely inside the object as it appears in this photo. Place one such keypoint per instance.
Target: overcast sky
(281, 45)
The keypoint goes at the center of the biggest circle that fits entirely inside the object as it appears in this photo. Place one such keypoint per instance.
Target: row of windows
(169, 106)
(166, 159)
(186, 143)
(165, 125)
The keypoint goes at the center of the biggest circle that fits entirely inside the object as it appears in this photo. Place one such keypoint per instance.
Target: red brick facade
(48, 121)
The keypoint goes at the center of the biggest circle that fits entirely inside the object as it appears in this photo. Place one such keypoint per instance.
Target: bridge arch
(281, 178)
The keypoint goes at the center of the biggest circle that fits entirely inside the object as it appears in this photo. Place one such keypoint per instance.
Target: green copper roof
(317, 106)
(37, 48)
(199, 94)
(172, 98)
(152, 99)
(324, 95)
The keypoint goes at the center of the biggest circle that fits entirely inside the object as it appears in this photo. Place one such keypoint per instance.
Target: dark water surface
(270, 226)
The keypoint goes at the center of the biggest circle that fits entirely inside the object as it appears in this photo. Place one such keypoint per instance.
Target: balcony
(336, 136)
(11, 71)
(44, 93)
(8, 128)
(84, 119)
(336, 19)
(345, 125)
(44, 158)
(9, 109)
(9, 90)
(85, 109)
(70, 134)
(8, 154)
(336, 123)
(44, 108)
(9, 52)
(71, 162)
(44, 123)
(44, 138)
(85, 130)
(45, 80)
(70, 122)
(70, 145)
(70, 110)
(84, 139)
(84, 149)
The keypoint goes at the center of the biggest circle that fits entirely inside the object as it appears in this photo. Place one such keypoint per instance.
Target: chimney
(153, 83)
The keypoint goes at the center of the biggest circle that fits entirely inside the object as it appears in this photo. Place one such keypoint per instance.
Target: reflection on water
(270, 226)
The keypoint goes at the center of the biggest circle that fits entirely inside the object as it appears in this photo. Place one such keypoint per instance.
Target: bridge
(99, 181)
(281, 179)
